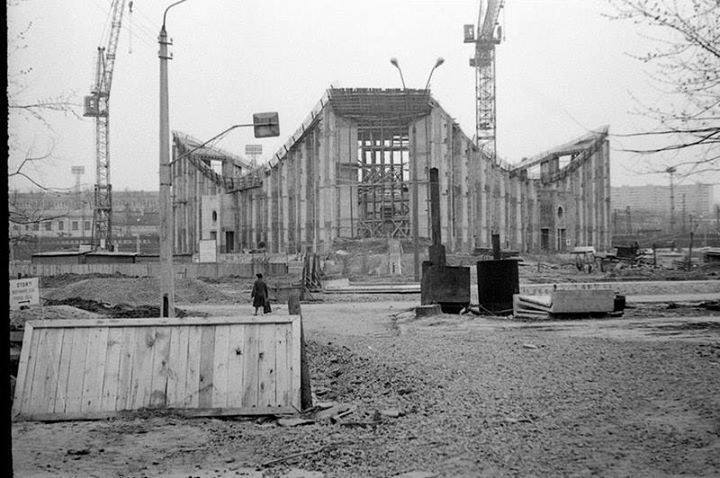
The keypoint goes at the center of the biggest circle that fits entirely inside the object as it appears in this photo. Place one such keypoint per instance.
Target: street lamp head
(438, 62)
(395, 63)
(166, 11)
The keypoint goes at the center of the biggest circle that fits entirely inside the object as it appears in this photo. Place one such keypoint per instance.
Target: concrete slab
(582, 301)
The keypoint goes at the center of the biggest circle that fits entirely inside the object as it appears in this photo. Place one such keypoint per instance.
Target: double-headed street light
(414, 175)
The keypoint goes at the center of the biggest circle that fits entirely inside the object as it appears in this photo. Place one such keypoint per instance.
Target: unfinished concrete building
(358, 168)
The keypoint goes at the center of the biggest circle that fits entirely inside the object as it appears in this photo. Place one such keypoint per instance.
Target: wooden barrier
(92, 369)
(149, 269)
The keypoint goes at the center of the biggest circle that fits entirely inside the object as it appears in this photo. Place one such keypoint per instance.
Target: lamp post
(167, 276)
(414, 175)
(397, 65)
(671, 171)
(438, 62)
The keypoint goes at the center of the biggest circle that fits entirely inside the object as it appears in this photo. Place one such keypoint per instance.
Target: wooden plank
(282, 375)
(160, 373)
(22, 369)
(178, 364)
(94, 370)
(53, 349)
(77, 371)
(123, 400)
(266, 366)
(35, 381)
(236, 360)
(64, 371)
(192, 376)
(295, 362)
(142, 368)
(250, 369)
(220, 366)
(183, 412)
(111, 375)
(156, 322)
(207, 356)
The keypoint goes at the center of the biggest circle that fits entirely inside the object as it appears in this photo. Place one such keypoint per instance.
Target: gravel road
(478, 397)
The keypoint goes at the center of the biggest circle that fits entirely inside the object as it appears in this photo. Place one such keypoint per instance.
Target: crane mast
(97, 105)
(489, 35)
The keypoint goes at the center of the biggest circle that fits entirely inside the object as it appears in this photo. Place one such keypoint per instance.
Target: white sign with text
(24, 292)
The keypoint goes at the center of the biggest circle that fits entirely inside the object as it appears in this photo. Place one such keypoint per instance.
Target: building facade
(358, 168)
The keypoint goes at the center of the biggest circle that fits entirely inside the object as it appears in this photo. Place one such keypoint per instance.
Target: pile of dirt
(51, 312)
(115, 311)
(137, 291)
(345, 376)
(61, 280)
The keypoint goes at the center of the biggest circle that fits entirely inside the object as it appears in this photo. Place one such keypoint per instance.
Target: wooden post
(496, 246)
(654, 249)
(305, 391)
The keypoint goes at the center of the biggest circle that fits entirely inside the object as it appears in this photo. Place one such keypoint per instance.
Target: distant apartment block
(698, 198)
(40, 221)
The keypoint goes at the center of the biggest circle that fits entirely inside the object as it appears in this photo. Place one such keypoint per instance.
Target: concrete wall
(309, 191)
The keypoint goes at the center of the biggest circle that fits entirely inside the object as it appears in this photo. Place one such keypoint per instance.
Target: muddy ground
(476, 396)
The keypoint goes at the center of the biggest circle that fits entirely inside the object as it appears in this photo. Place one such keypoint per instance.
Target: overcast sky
(562, 70)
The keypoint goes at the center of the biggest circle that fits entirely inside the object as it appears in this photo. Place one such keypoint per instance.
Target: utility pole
(167, 276)
(684, 228)
(671, 170)
(628, 220)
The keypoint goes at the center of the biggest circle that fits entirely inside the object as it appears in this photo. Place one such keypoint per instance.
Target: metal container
(497, 281)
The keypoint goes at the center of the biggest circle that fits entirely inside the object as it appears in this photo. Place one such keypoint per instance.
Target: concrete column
(267, 211)
(422, 158)
(464, 157)
(502, 226)
(343, 177)
(607, 200)
(302, 236)
(518, 215)
(484, 198)
(321, 176)
(284, 205)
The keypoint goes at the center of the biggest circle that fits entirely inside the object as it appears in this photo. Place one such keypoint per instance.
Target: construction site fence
(192, 270)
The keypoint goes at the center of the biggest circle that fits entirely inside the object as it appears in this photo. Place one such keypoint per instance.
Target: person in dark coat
(259, 294)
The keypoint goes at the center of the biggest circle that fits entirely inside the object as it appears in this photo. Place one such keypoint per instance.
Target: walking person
(260, 294)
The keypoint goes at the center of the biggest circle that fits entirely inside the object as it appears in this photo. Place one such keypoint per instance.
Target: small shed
(106, 257)
(712, 254)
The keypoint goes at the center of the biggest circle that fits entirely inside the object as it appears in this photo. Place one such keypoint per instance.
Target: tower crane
(97, 105)
(489, 34)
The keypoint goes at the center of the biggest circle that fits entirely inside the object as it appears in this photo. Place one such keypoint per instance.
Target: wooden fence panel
(145, 269)
(88, 369)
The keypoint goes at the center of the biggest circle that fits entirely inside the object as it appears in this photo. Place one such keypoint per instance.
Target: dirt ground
(443, 396)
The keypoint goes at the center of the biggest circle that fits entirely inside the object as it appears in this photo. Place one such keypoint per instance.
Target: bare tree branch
(685, 66)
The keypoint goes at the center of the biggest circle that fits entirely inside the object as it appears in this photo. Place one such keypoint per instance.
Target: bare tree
(27, 111)
(685, 66)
